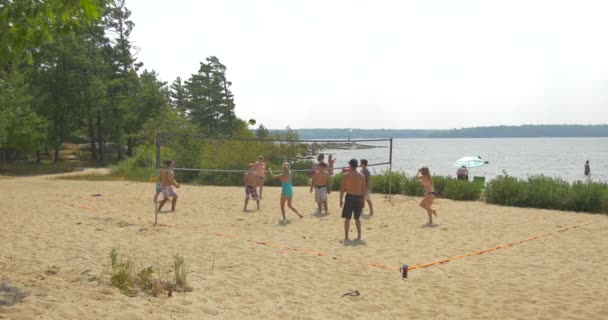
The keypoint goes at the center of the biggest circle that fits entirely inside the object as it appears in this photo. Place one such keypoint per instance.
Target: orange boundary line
(381, 266)
(476, 253)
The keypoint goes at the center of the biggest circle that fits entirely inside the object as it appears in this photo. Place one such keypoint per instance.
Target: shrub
(181, 274)
(124, 277)
(504, 190)
(548, 193)
(587, 197)
(122, 273)
(460, 190)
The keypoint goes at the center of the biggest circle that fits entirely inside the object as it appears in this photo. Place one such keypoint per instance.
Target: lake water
(555, 157)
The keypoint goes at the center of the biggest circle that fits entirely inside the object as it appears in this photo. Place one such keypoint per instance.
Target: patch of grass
(181, 273)
(122, 273)
(130, 281)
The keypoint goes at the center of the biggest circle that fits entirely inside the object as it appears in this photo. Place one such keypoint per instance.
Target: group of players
(356, 185)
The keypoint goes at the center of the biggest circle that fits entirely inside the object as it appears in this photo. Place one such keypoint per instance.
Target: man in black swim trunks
(353, 184)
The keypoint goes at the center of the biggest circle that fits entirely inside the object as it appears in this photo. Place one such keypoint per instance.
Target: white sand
(55, 237)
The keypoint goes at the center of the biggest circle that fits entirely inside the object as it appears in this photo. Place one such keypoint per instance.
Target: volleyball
(251, 122)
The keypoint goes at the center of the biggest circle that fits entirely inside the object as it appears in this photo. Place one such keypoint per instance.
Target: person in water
(424, 175)
(287, 190)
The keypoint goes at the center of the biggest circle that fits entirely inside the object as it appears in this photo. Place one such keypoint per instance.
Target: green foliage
(125, 276)
(548, 193)
(445, 187)
(460, 190)
(140, 167)
(262, 132)
(21, 129)
(122, 273)
(210, 103)
(25, 25)
(180, 272)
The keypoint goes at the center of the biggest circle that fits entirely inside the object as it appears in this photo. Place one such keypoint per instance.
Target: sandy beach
(55, 240)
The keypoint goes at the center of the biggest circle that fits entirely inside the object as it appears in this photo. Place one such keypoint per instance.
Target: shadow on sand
(428, 225)
(353, 243)
(319, 215)
(9, 294)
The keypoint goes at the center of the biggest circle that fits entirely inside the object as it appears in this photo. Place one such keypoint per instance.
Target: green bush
(149, 279)
(192, 153)
(548, 193)
(587, 197)
(336, 181)
(440, 183)
(504, 190)
(460, 189)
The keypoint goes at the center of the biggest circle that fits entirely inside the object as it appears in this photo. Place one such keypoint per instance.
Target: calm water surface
(555, 157)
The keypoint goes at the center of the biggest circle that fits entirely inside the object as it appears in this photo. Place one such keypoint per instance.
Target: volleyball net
(222, 161)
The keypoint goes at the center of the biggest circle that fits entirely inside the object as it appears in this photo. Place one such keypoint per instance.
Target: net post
(390, 170)
(157, 173)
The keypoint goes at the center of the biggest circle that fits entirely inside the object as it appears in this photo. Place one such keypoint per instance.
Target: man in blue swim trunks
(353, 184)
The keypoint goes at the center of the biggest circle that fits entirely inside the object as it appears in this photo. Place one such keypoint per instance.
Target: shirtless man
(353, 184)
(251, 182)
(320, 159)
(260, 168)
(167, 182)
(368, 185)
(321, 183)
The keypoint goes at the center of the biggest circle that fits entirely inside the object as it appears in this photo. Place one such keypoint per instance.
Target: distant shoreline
(525, 131)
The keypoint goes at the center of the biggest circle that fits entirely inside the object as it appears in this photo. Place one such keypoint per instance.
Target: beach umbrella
(469, 162)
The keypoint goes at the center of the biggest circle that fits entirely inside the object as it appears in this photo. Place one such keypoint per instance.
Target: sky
(426, 64)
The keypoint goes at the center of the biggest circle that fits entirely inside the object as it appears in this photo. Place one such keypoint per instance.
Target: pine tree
(178, 96)
(210, 102)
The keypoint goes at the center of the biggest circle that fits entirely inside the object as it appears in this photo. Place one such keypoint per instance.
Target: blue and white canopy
(469, 162)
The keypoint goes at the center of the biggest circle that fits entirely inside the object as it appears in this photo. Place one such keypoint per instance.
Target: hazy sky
(390, 64)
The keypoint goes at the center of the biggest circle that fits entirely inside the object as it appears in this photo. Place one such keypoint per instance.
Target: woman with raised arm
(287, 189)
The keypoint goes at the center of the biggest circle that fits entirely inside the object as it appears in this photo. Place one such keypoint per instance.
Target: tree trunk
(92, 136)
(119, 153)
(56, 156)
(130, 146)
(38, 160)
(100, 137)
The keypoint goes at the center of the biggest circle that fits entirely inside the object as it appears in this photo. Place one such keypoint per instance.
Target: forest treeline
(524, 131)
(69, 72)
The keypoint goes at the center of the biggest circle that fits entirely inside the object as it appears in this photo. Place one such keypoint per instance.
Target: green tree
(21, 129)
(210, 102)
(178, 96)
(152, 100)
(122, 89)
(262, 132)
(26, 25)
(59, 86)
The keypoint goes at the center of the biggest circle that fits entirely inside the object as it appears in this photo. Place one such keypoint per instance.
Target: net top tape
(278, 170)
(269, 140)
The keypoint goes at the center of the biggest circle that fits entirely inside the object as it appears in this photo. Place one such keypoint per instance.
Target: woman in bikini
(424, 175)
(287, 190)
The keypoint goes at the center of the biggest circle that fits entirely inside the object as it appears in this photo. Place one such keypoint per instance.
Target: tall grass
(128, 280)
(445, 187)
(548, 193)
(141, 167)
